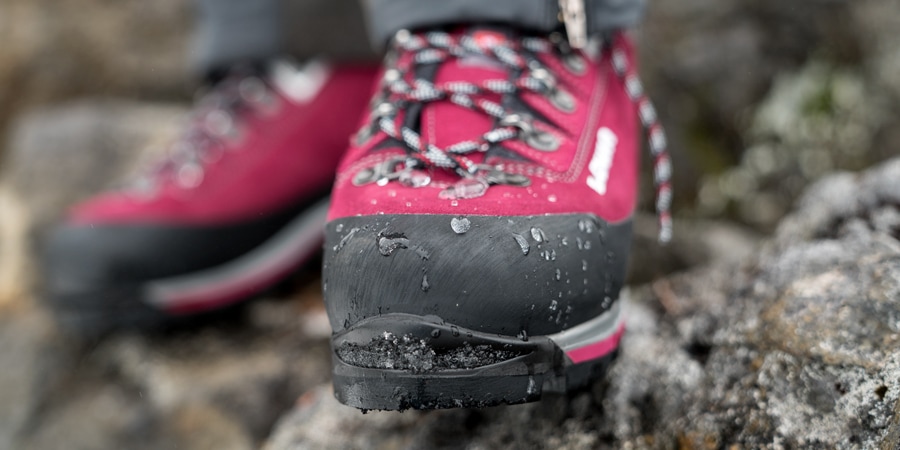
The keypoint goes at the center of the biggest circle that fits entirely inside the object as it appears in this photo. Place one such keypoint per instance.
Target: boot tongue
(445, 123)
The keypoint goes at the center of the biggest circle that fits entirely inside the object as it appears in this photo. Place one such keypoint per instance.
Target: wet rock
(795, 346)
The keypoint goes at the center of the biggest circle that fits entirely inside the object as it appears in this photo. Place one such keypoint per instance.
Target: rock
(716, 68)
(222, 382)
(794, 347)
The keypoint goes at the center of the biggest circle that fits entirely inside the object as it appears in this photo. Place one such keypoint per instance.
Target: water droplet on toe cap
(460, 225)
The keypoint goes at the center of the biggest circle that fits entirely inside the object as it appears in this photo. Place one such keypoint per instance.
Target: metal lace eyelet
(542, 141)
(364, 176)
(402, 37)
(390, 76)
(415, 178)
(363, 135)
(253, 89)
(544, 76)
(495, 175)
(575, 63)
(559, 98)
(533, 137)
(562, 100)
(190, 175)
(255, 92)
(384, 109)
(219, 123)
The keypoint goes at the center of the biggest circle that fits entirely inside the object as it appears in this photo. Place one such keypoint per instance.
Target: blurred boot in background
(239, 202)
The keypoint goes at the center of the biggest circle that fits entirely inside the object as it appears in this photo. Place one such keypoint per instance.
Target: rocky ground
(781, 337)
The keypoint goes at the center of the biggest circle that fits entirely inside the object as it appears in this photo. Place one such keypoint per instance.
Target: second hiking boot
(237, 206)
(480, 226)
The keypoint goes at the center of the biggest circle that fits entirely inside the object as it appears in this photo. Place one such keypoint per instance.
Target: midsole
(232, 281)
(595, 338)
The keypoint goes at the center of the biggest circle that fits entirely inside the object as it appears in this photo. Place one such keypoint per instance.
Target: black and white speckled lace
(530, 75)
(213, 127)
(436, 47)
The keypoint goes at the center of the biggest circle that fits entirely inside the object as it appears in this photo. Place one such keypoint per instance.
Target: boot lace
(529, 74)
(213, 128)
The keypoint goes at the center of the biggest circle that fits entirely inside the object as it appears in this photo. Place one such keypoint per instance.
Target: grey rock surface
(220, 384)
(796, 346)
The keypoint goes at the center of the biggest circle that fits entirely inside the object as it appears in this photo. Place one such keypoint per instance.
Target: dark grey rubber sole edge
(138, 306)
(540, 367)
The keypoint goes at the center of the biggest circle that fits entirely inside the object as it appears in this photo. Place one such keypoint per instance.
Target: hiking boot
(480, 225)
(238, 205)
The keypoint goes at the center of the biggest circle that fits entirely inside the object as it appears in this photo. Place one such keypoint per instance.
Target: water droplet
(586, 226)
(523, 336)
(435, 333)
(345, 239)
(523, 243)
(425, 285)
(454, 203)
(607, 302)
(551, 199)
(423, 253)
(392, 193)
(558, 274)
(339, 227)
(409, 204)
(373, 201)
(387, 245)
(584, 265)
(538, 234)
(532, 386)
(554, 305)
(565, 241)
(587, 245)
(579, 243)
(460, 224)
(454, 330)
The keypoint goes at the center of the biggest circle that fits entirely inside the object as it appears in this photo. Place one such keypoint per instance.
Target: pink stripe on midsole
(597, 349)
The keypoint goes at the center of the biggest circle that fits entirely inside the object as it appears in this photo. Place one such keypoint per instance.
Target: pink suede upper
(280, 159)
(558, 178)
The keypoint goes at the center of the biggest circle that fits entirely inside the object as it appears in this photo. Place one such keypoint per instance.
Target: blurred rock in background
(789, 345)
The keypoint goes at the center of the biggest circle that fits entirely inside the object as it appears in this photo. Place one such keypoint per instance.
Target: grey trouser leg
(233, 31)
(388, 16)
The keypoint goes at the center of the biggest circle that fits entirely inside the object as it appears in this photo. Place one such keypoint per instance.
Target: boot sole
(426, 363)
(167, 300)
